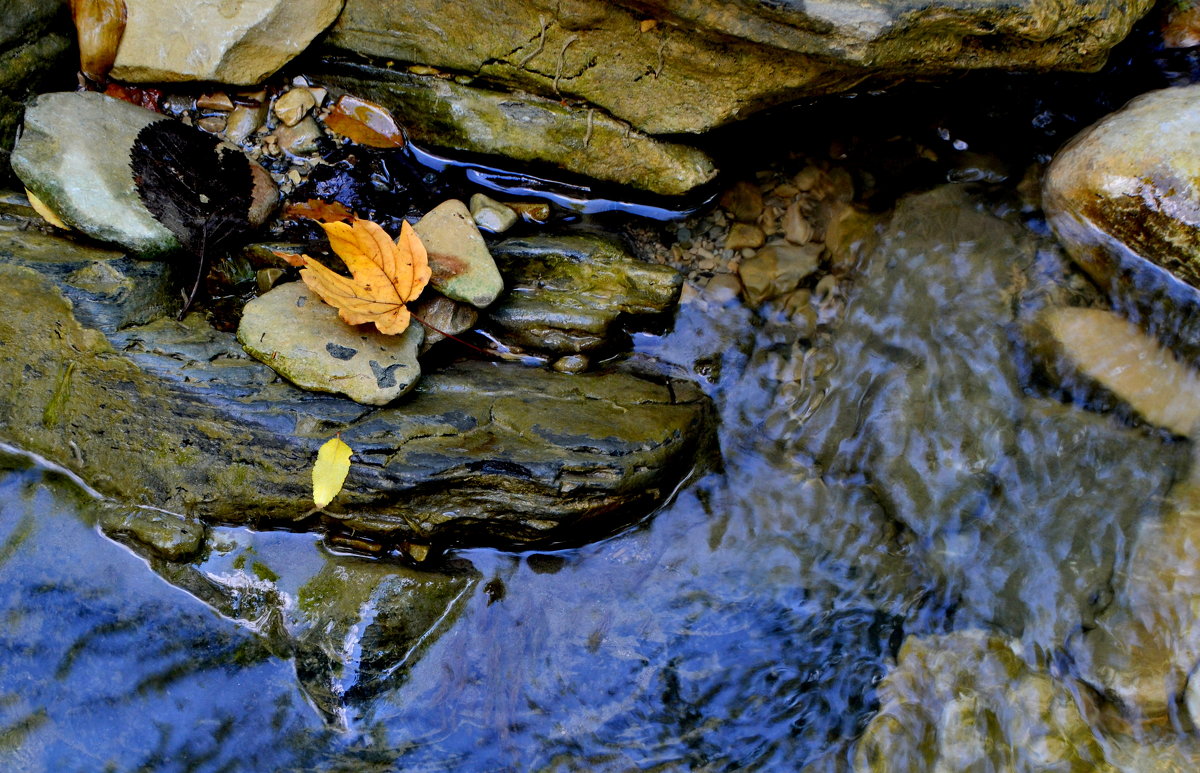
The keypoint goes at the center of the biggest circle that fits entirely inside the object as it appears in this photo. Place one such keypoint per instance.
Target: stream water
(910, 473)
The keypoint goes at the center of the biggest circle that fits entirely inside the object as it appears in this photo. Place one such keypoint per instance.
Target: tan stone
(238, 41)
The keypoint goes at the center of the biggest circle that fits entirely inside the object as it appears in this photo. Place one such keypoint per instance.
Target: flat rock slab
(175, 415)
(302, 339)
(565, 292)
(527, 128)
(703, 64)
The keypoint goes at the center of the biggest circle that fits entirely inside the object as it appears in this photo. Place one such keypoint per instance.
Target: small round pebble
(572, 363)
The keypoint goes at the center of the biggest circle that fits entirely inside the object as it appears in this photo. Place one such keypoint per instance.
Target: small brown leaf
(387, 274)
(100, 25)
(365, 123)
(322, 211)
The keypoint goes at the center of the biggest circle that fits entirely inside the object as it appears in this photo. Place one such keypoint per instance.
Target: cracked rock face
(175, 415)
(673, 66)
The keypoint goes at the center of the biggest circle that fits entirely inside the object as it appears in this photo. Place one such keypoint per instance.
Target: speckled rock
(701, 64)
(462, 267)
(303, 339)
(231, 42)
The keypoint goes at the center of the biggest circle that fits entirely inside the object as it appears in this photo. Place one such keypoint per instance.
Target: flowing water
(911, 472)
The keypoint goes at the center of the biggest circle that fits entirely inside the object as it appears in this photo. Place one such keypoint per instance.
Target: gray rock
(176, 415)
(969, 701)
(89, 184)
(707, 63)
(565, 292)
(462, 267)
(1123, 198)
(491, 215)
(302, 338)
(239, 43)
(446, 114)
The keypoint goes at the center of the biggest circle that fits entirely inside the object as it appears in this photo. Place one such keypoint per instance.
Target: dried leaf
(387, 274)
(142, 96)
(330, 470)
(100, 25)
(47, 214)
(321, 211)
(365, 123)
(198, 188)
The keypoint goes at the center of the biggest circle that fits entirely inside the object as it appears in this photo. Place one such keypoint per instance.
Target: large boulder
(233, 42)
(175, 415)
(1124, 198)
(686, 66)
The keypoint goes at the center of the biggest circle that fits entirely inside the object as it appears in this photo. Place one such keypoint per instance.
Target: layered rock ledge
(175, 415)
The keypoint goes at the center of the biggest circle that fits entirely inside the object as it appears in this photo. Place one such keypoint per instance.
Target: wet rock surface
(669, 67)
(969, 701)
(521, 127)
(238, 43)
(302, 339)
(31, 45)
(175, 415)
(566, 292)
(1123, 198)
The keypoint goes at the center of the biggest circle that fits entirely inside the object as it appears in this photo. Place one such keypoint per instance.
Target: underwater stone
(969, 701)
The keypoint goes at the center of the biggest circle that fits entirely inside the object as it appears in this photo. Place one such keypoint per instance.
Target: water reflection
(906, 475)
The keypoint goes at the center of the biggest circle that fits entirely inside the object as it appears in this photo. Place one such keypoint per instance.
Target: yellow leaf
(48, 214)
(329, 473)
(387, 274)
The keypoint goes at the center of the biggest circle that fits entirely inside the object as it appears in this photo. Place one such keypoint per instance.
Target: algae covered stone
(566, 292)
(704, 64)
(522, 127)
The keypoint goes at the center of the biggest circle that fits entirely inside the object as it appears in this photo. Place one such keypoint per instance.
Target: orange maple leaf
(316, 209)
(387, 274)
